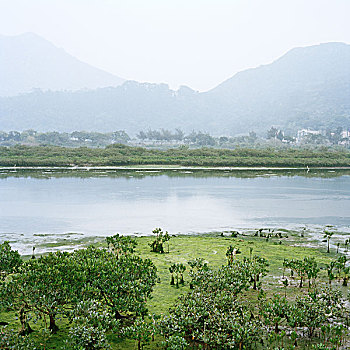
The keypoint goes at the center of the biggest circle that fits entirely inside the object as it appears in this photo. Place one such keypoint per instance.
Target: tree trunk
(53, 327)
(25, 329)
(118, 316)
(276, 328)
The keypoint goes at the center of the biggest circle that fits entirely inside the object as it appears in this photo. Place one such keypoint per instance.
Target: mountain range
(28, 62)
(308, 87)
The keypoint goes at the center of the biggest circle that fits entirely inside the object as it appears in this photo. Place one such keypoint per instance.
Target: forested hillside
(306, 88)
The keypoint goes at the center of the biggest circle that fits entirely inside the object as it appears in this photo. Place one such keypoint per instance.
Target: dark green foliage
(141, 331)
(226, 307)
(275, 311)
(51, 283)
(10, 340)
(177, 269)
(306, 268)
(342, 269)
(231, 253)
(317, 309)
(257, 267)
(328, 235)
(211, 315)
(45, 285)
(175, 342)
(215, 320)
(117, 154)
(157, 245)
(123, 284)
(121, 244)
(198, 264)
(10, 260)
(91, 322)
(54, 138)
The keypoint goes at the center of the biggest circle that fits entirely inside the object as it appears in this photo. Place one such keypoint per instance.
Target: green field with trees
(232, 290)
(122, 155)
(164, 138)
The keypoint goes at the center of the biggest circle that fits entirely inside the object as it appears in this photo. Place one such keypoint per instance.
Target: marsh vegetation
(221, 291)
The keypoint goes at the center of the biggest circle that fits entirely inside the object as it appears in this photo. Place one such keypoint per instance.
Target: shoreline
(46, 242)
(163, 167)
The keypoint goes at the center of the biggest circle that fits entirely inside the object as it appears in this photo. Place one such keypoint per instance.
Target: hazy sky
(198, 43)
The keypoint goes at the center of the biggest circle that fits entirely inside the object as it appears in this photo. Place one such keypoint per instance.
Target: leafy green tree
(172, 270)
(182, 269)
(285, 285)
(343, 270)
(11, 299)
(274, 311)
(311, 269)
(272, 133)
(141, 330)
(257, 267)
(46, 285)
(158, 244)
(306, 268)
(318, 308)
(212, 320)
(196, 265)
(328, 235)
(9, 339)
(123, 284)
(90, 324)
(330, 271)
(178, 269)
(10, 260)
(175, 342)
(121, 244)
(231, 253)
(236, 277)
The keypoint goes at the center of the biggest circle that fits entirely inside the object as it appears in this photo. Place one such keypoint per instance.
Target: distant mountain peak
(310, 64)
(308, 87)
(29, 61)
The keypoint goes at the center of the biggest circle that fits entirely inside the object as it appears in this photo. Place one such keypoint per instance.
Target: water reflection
(102, 202)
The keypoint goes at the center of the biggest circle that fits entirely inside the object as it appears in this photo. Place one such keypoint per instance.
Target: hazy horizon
(193, 43)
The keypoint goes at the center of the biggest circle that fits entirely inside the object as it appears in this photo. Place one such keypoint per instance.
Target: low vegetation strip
(122, 155)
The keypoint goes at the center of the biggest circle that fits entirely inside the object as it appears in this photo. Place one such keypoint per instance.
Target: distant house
(345, 134)
(345, 138)
(306, 132)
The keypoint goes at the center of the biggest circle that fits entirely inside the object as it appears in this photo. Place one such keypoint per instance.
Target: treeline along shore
(122, 155)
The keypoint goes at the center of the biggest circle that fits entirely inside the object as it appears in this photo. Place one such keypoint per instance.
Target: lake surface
(49, 204)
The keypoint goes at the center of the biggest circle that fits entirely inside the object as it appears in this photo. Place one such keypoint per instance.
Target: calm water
(106, 202)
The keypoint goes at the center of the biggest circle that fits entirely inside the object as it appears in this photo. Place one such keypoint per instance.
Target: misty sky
(198, 43)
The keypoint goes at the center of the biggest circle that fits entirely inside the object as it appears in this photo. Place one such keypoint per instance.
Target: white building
(345, 134)
(305, 132)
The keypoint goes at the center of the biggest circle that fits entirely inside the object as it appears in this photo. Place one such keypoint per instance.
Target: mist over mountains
(307, 87)
(28, 62)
